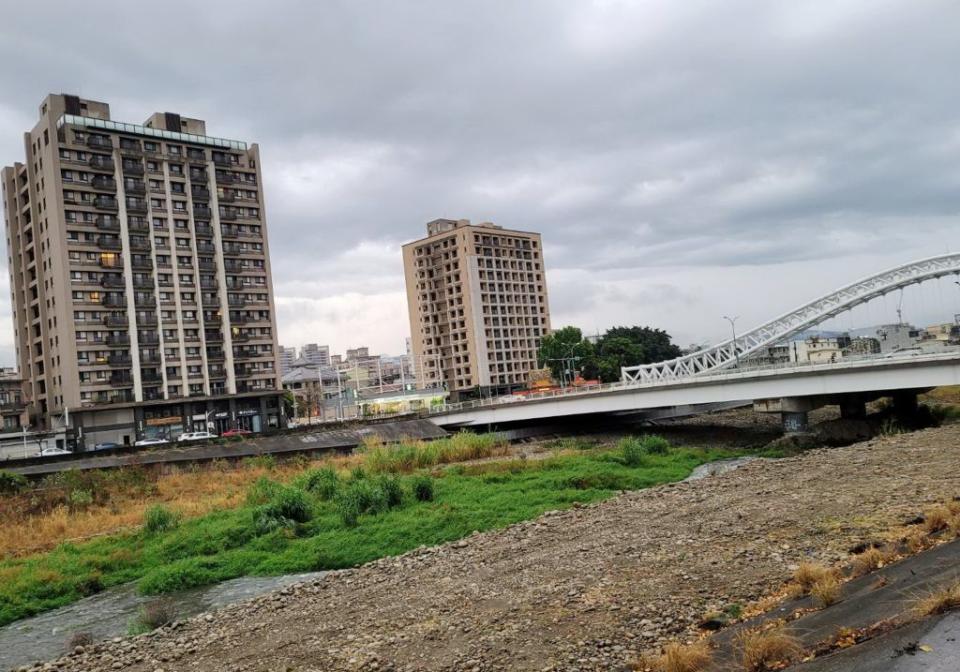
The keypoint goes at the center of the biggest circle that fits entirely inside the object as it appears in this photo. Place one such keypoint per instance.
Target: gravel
(589, 588)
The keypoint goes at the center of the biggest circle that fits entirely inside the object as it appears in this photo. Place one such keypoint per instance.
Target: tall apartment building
(316, 354)
(477, 298)
(287, 357)
(140, 276)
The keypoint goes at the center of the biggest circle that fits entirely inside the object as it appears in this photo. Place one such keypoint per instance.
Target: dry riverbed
(588, 588)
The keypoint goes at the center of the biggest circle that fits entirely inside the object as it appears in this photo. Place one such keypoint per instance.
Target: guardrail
(708, 376)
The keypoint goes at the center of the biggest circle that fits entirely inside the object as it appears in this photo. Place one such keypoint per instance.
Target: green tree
(564, 344)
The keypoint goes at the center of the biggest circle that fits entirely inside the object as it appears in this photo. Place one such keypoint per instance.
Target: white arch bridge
(711, 377)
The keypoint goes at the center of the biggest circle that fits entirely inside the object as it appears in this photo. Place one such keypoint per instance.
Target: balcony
(131, 148)
(119, 360)
(153, 394)
(217, 372)
(196, 157)
(216, 355)
(210, 301)
(138, 226)
(137, 206)
(122, 378)
(149, 358)
(148, 339)
(118, 340)
(225, 178)
(104, 183)
(99, 142)
(121, 397)
(240, 337)
(227, 197)
(113, 301)
(229, 214)
(115, 321)
(109, 243)
(200, 194)
(132, 168)
(144, 300)
(213, 337)
(205, 247)
(236, 301)
(202, 212)
(100, 162)
(229, 231)
(146, 320)
(143, 263)
(242, 354)
(198, 176)
(135, 187)
(106, 203)
(150, 377)
(232, 266)
(222, 160)
(108, 223)
(206, 265)
(138, 243)
(204, 230)
(111, 281)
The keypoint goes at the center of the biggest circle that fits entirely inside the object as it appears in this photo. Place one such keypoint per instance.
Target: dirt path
(583, 589)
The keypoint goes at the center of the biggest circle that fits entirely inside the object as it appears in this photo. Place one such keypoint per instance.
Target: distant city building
(316, 354)
(140, 276)
(819, 349)
(355, 354)
(287, 356)
(477, 301)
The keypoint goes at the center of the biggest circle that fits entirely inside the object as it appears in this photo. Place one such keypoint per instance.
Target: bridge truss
(727, 353)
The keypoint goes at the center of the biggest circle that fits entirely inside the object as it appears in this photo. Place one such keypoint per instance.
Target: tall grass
(406, 457)
(290, 527)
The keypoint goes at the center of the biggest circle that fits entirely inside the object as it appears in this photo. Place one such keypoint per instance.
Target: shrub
(80, 499)
(654, 444)
(937, 518)
(79, 639)
(392, 491)
(321, 482)
(152, 616)
(808, 574)
(287, 507)
(357, 474)
(423, 488)
(631, 451)
(262, 491)
(11, 483)
(944, 600)
(159, 518)
(360, 497)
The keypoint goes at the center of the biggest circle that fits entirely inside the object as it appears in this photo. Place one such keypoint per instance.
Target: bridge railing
(948, 352)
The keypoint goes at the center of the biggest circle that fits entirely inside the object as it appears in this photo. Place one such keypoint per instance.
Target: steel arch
(841, 300)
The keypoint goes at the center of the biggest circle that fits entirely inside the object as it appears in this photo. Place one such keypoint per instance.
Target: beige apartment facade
(140, 276)
(478, 307)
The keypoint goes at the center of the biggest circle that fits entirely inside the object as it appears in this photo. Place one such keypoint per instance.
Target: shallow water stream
(108, 614)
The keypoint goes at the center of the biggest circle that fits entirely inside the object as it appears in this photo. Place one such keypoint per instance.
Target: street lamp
(733, 330)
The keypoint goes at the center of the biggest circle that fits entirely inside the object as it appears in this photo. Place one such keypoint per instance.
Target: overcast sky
(683, 160)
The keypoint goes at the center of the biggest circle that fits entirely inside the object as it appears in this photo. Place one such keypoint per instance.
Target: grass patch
(677, 657)
(767, 649)
(325, 520)
(944, 600)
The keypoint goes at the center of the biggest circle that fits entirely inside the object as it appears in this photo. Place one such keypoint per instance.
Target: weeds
(159, 518)
(944, 600)
(937, 518)
(809, 574)
(763, 650)
(11, 483)
(79, 639)
(151, 616)
(826, 590)
(678, 657)
(322, 483)
(423, 488)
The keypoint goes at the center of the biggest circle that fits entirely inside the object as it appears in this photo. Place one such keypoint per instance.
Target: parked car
(51, 451)
(236, 432)
(151, 442)
(106, 445)
(196, 436)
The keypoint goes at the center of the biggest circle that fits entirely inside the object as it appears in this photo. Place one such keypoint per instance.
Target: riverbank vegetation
(335, 513)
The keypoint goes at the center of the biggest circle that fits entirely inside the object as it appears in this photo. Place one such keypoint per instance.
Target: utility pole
(733, 330)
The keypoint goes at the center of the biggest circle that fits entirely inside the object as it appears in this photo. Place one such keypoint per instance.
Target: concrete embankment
(342, 439)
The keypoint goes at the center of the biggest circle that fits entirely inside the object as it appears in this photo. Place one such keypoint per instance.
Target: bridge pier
(794, 422)
(853, 407)
(905, 405)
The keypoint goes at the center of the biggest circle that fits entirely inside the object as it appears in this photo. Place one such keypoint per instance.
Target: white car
(51, 451)
(196, 436)
(150, 442)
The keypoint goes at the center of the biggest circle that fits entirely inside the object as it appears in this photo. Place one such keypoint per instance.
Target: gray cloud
(662, 148)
